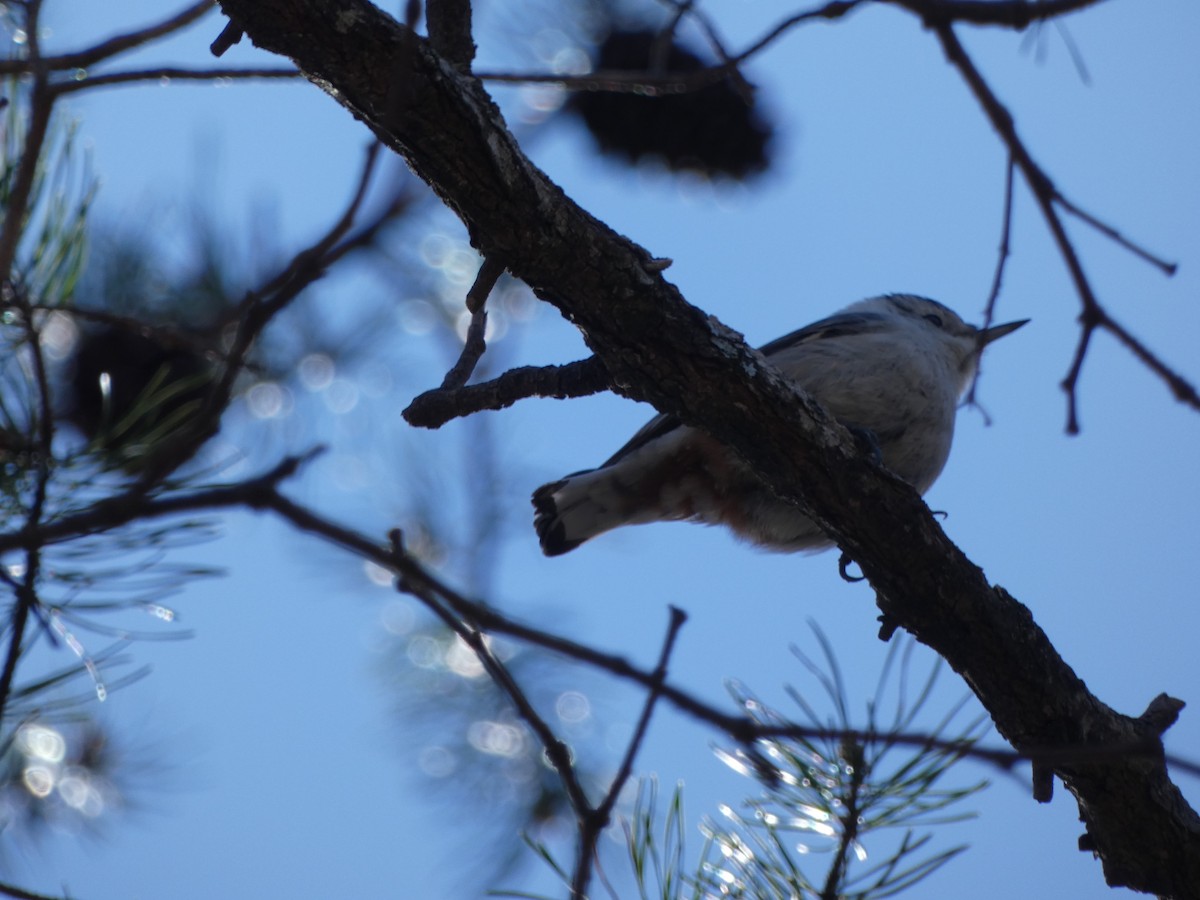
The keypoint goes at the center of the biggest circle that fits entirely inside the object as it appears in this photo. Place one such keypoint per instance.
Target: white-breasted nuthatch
(893, 367)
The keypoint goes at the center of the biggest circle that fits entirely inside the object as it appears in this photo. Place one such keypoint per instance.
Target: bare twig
(642, 82)
(26, 590)
(1049, 198)
(594, 824)
(850, 821)
(449, 24)
(172, 74)
(9, 890)
(473, 349)
(231, 34)
(1184, 390)
(412, 14)
(1165, 266)
(989, 309)
(40, 109)
(116, 45)
(131, 506)
(557, 753)
(1017, 14)
(741, 729)
(474, 344)
(489, 273)
(666, 36)
(578, 379)
(253, 314)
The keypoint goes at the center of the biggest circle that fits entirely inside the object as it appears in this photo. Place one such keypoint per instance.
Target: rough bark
(662, 350)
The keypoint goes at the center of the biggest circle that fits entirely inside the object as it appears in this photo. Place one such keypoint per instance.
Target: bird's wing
(834, 326)
(654, 429)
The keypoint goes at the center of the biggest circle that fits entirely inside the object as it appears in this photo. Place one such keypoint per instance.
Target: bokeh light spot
(435, 249)
(437, 762)
(78, 791)
(424, 652)
(496, 738)
(268, 400)
(38, 780)
(341, 397)
(378, 575)
(398, 617)
(59, 335)
(42, 743)
(461, 660)
(572, 707)
(316, 371)
(417, 317)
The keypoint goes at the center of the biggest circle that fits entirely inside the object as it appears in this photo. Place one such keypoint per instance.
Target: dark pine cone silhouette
(712, 130)
(129, 392)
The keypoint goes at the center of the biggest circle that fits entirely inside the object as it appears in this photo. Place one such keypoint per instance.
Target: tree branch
(435, 408)
(1017, 14)
(1160, 714)
(557, 753)
(449, 24)
(660, 349)
(595, 823)
(171, 74)
(1049, 198)
(116, 45)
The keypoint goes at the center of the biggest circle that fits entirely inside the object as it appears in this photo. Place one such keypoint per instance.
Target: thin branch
(474, 344)
(231, 34)
(578, 379)
(136, 501)
(306, 265)
(662, 45)
(485, 280)
(595, 823)
(26, 592)
(557, 753)
(830, 11)
(449, 25)
(9, 890)
(989, 309)
(173, 74)
(835, 877)
(253, 314)
(26, 600)
(17, 201)
(1016, 14)
(1166, 267)
(1183, 390)
(472, 351)
(1048, 197)
(644, 83)
(741, 729)
(133, 505)
(116, 45)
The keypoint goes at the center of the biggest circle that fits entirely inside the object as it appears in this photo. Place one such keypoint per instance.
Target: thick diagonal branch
(658, 348)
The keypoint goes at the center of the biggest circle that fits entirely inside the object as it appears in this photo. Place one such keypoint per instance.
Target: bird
(891, 368)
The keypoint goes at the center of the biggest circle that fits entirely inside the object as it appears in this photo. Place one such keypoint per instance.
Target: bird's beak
(987, 335)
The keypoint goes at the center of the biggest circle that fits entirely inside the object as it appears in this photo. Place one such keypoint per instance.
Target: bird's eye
(935, 319)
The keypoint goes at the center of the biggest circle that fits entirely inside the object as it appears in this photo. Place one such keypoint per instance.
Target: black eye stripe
(934, 318)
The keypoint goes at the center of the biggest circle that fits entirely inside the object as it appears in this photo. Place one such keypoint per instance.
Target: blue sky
(284, 772)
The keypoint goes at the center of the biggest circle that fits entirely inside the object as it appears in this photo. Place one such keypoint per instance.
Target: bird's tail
(576, 509)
